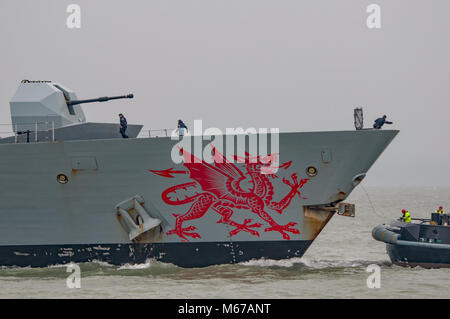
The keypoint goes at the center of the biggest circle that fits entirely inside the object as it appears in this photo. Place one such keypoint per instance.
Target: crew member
(442, 219)
(406, 216)
(181, 127)
(379, 122)
(123, 125)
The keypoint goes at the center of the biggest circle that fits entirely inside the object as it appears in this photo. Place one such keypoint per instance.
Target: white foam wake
(309, 263)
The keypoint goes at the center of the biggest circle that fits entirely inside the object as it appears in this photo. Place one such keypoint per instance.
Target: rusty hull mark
(150, 236)
(75, 170)
(315, 219)
(341, 195)
(338, 197)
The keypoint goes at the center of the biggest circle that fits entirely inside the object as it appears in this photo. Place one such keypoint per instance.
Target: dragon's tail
(171, 201)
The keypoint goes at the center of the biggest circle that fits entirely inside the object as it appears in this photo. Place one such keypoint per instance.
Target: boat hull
(404, 248)
(412, 256)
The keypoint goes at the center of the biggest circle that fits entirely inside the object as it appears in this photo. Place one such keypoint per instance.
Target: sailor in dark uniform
(181, 127)
(441, 216)
(123, 125)
(379, 122)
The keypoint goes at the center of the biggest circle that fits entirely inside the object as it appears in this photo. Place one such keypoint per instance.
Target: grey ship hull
(44, 222)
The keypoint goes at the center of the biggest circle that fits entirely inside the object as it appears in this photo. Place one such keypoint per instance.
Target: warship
(422, 242)
(75, 191)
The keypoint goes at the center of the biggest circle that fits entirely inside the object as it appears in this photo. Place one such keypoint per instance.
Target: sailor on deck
(406, 216)
(379, 122)
(440, 217)
(123, 125)
(181, 128)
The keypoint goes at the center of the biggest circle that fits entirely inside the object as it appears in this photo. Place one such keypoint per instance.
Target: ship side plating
(98, 199)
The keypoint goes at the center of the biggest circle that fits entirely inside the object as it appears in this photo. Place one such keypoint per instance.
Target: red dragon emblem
(222, 190)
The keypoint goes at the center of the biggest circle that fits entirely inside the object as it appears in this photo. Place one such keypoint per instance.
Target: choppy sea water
(334, 266)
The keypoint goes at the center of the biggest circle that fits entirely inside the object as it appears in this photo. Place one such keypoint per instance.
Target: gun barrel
(100, 99)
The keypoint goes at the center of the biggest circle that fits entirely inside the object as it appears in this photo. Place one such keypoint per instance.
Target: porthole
(62, 179)
(311, 171)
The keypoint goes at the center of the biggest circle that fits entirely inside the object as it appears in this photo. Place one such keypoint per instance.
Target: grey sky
(297, 65)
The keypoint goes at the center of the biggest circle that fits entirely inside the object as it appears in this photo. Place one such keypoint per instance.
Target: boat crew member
(379, 122)
(406, 216)
(123, 125)
(441, 216)
(181, 127)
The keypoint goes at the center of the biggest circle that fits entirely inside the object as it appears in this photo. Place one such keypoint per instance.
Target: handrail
(149, 133)
(165, 132)
(29, 132)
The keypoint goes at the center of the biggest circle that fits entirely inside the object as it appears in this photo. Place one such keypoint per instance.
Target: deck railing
(36, 131)
(163, 132)
(8, 130)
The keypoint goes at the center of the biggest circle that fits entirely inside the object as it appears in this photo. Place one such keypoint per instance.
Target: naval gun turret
(51, 111)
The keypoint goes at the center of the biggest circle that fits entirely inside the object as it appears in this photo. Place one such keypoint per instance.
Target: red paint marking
(168, 172)
(218, 188)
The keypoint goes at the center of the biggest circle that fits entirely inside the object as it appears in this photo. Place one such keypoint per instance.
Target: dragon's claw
(294, 178)
(244, 227)
(282, 229)
(296, 184)
(182, 232)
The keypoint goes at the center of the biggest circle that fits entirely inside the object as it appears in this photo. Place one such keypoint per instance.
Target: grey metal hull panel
(37, 210)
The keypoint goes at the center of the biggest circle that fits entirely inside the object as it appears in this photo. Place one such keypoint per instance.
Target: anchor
(143, 221)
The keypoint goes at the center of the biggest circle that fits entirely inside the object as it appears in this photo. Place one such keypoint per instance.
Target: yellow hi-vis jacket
(440, 212)
(407, 217)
